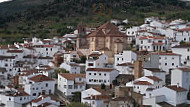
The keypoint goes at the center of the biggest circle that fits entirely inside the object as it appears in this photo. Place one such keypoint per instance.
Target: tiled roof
(185, 69)
(182, 46)
(125, 64)
(15, 94)
(107, 29)
(98, 97)
(69, 76)
(15, 51)
(142, 83)
(151, 37)
(164, 53)
(100, 69)
(6, 57)
(154, 78)
(39, 99)
(154, 70)
(157, 43)
(40, 78)
(176, 88)
(184, 29)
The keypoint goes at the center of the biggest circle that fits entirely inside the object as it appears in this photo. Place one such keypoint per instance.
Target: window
(90, 64)
(36, 88)
(46, 84)
(80, 86)
(65, 86)
(80, 79)
(172, 64)
(100, 74)
(94, 73)
(9, 99)
(70, 86)
(165, 63)
(141, 42)
(89, 74)
(118, 59)
(172, 57)
(34, 94)
(46, 49)
(105, 74)
(122, 59)
(188, 50)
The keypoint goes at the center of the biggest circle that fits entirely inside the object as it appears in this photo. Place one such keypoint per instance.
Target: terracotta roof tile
(142, 83)
(185, 69)
(39, 99)
(154, 78)
(72, 76)
(176, 88)
(100, 69)
(40, 78)
(184, 29)
(182, 46)
(15, 51)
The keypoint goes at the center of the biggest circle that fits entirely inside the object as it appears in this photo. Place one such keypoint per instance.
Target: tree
(83, 59)
(76, 97)
(103, 86)
(77, 104)
(182, 42)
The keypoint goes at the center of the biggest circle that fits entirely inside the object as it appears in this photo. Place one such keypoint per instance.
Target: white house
(39, 85)
(7, 62)
(46, 101)
(126, 56)
(151, 43)
(155, 72)
(146, 83)
(182, 35)
(125, 68)
(174, 94)
(87, 93)
(181, 77)
(164, 61)
(97, 76)
(96, 60)
(184, 51)
(14, 98)
(72, 67)
(70, 83)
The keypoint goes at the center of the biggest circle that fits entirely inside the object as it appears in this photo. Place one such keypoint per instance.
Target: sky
(4, 0)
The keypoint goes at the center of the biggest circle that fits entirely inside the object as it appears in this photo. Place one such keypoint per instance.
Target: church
(106, 39)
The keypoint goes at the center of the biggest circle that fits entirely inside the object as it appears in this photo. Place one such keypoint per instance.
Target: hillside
(50, 19)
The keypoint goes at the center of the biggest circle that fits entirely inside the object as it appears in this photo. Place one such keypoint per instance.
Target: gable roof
(187, 45)
(154, 70)
(69, 76)
(40, 78)
(107, 29)
(100, 69)
(176, 88)
(185, 69)
(154, 78)
(142, 83)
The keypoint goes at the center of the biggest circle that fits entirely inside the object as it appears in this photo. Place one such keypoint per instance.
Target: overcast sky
(4, 0)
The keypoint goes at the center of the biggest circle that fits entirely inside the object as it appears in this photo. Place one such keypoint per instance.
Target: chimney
(138, 69)
(177, 85)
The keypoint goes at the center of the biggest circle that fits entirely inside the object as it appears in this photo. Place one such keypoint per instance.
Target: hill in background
(43, 18)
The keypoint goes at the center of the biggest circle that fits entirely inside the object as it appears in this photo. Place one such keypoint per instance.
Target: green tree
(103, 86)
(76, 97)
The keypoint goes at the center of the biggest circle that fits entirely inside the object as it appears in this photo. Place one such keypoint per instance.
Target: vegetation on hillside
(53, 17)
